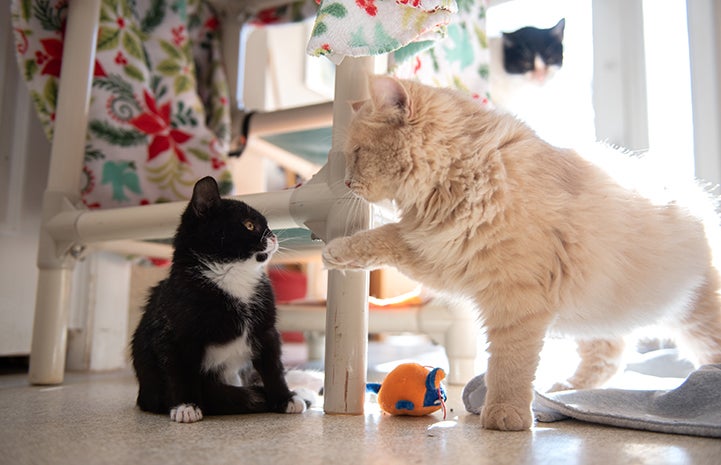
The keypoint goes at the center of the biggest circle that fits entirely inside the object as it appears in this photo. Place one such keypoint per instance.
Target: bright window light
(670, 122)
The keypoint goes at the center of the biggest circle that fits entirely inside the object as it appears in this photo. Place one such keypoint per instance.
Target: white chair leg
(50, 326)
(315, 340)
(346, 344)
(461, 345)
(47, 353)
(347, 308)
(453, 324)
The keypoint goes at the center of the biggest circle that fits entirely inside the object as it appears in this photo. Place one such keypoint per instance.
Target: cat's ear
(389, 93)
(557, 30)
(205, 195)
(356, 105)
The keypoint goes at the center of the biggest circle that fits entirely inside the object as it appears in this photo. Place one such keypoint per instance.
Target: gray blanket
(693, 408)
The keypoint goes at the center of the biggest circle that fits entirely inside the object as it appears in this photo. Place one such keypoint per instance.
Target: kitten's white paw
(309, 396)
(338, 255)
(186, 413)
(296, 404)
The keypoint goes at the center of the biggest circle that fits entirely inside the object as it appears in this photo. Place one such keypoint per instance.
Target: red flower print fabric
(150, 136)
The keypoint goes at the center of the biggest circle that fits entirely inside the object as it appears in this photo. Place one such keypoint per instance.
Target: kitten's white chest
(228, 359)
(239, 279)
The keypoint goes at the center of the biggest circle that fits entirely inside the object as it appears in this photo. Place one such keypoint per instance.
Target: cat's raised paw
(561, 386)
(506, 417)
(339, 255)
(296, 404)
(186, 413)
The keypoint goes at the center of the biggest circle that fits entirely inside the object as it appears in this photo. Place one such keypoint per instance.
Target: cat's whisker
(283, 250)
(281, 270)
(355, 210)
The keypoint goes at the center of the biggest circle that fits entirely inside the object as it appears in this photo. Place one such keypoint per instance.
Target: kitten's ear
(389, 93)
(557, 30)
(205, 195)
(507, 40)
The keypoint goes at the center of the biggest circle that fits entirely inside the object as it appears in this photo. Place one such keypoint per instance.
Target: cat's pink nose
(347, 184)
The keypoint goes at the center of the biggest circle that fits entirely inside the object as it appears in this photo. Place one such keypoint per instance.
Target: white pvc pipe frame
(320, 205)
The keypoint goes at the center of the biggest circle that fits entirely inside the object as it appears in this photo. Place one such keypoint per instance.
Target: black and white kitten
(522, 64)
(526, 80)
(534, 53)
(213, 316)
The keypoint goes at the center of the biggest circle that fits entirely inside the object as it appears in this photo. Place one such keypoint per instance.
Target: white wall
(24, 155)
(98, 315)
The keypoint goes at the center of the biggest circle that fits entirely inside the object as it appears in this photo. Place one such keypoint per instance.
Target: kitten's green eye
(249, 225)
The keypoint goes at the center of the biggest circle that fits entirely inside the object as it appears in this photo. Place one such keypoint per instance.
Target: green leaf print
(199, 154)
(93, 154)
(168, 68)
(108, 39)
(383, 41)
(105, 16)
(481, 36)
(25, 9)
(182, 83)
(484, 71)
(319, 29)
(171, 50)
(460, 51)
(117, 85)
(132, 46)
(337, 10)
(134, 72)
(50, 92)
(50, 17)
(30, 68)
(116, 136)
(121, 175)
(154, 16)
(464, 6)
(357, 39)
(40, 104)
(179, 7)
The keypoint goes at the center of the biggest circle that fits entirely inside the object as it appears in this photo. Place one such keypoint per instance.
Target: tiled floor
(91, 419)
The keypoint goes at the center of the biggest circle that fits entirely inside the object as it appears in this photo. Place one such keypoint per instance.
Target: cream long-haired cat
(540, 237)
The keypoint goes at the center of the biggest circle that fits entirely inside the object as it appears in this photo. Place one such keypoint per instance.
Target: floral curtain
(159, 115)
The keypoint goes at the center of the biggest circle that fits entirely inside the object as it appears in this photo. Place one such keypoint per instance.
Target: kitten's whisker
(282, 250)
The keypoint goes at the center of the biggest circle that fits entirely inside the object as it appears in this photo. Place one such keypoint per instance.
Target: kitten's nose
(347, 183)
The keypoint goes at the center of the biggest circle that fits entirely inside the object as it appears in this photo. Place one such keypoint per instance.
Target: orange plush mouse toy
(411, 389)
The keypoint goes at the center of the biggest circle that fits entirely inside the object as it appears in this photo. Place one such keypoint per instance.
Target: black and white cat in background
(213, 316)
(534, 53)
(524, 61)
(530, 78)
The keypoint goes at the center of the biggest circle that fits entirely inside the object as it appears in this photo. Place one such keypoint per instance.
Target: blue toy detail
(405, 405)
(373, 387)
(431, 398)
